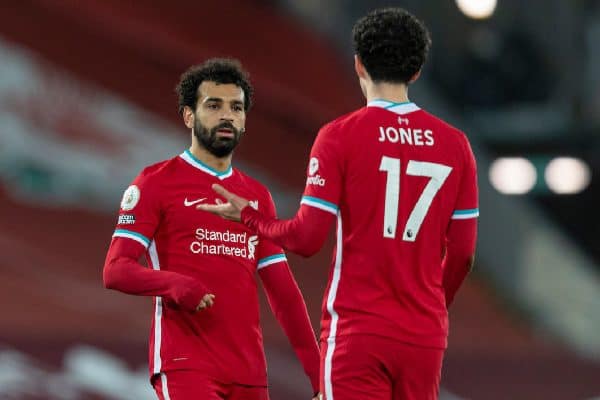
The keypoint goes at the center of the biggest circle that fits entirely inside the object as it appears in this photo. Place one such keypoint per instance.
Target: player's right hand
(232, 210)
(205, 302)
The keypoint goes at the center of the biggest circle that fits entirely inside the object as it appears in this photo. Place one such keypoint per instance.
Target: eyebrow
(220, 100)
(217, 99)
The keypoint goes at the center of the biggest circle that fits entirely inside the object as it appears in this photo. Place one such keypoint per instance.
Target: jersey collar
(398, 108)
(194, 162)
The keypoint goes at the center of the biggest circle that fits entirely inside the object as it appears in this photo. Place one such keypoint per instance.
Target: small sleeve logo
(313, 166)
(314, 178)
(130, 198)
(126, 219)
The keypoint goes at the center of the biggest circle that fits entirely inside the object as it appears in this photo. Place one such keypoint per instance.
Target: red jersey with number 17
(395, 176)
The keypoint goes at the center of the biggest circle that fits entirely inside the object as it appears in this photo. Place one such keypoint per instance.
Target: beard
(217, 146)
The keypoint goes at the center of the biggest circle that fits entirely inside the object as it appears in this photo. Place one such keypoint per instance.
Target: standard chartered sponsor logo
(224, 243)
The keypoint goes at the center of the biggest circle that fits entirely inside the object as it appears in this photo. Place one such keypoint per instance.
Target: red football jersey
(394, 176)
(159, 211)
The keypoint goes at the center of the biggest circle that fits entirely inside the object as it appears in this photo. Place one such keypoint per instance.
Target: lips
(225, 133)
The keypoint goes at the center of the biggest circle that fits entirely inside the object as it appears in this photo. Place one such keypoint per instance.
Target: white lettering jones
(413, 137)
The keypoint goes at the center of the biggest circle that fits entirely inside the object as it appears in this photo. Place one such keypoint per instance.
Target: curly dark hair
(392, 44)
(219, 70)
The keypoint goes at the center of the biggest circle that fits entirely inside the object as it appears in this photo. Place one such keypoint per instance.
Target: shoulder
(153, 175)
(335, 132)
(342, 121)
(455, 135)
(143, 185)
(439, 123)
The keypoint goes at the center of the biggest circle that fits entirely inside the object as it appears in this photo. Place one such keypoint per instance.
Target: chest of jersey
(197, 234)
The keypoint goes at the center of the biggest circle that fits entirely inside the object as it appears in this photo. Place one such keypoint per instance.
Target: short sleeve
(139, 214)
(467, 203)
(324, 173)
(268, 252)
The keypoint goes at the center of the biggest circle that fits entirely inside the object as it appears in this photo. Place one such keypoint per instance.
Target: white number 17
(438, 174)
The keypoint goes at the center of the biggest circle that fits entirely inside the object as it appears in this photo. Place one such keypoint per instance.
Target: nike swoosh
(191, 203)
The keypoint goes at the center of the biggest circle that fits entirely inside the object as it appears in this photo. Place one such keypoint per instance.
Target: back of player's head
(218, 70)
(392, 44)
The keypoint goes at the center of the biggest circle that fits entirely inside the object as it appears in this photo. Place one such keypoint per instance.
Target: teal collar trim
(193, 161)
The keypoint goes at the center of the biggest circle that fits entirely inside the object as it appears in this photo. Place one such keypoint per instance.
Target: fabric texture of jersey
(394, 176)
(159, 212)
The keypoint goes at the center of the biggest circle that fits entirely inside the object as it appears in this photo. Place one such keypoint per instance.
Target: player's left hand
(231, 210)
(318, 396)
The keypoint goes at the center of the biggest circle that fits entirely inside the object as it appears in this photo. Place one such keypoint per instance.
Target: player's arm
(123, 272)
(304, 234)
(460, 255)
(461, 235)
(289, 308)
(139, 218)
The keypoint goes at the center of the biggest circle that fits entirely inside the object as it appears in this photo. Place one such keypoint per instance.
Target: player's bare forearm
(124, 273)
(460, 255)
(289, 308)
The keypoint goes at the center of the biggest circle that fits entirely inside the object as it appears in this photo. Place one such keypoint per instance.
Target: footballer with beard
(205, 340)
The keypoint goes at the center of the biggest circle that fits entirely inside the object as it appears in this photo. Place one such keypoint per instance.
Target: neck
(394, 92)
(219, 164)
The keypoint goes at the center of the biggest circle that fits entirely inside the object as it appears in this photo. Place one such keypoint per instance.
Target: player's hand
(231, 210)
(318, 396)
(206, 301)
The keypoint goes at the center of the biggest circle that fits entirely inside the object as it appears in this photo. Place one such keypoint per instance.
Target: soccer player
(402, 185)
(206, 342)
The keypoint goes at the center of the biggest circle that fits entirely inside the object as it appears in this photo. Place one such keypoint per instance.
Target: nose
(227, 114)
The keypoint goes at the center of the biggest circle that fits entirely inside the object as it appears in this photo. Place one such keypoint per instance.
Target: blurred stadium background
(86, 100)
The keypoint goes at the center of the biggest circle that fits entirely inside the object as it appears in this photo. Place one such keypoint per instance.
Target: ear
(415, 77)
(360, 69)
(188, 117)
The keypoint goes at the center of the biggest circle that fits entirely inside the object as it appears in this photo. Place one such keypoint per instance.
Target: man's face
(219, 119)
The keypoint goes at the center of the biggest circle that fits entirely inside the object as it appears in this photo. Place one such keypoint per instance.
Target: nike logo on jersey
(188, 203)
